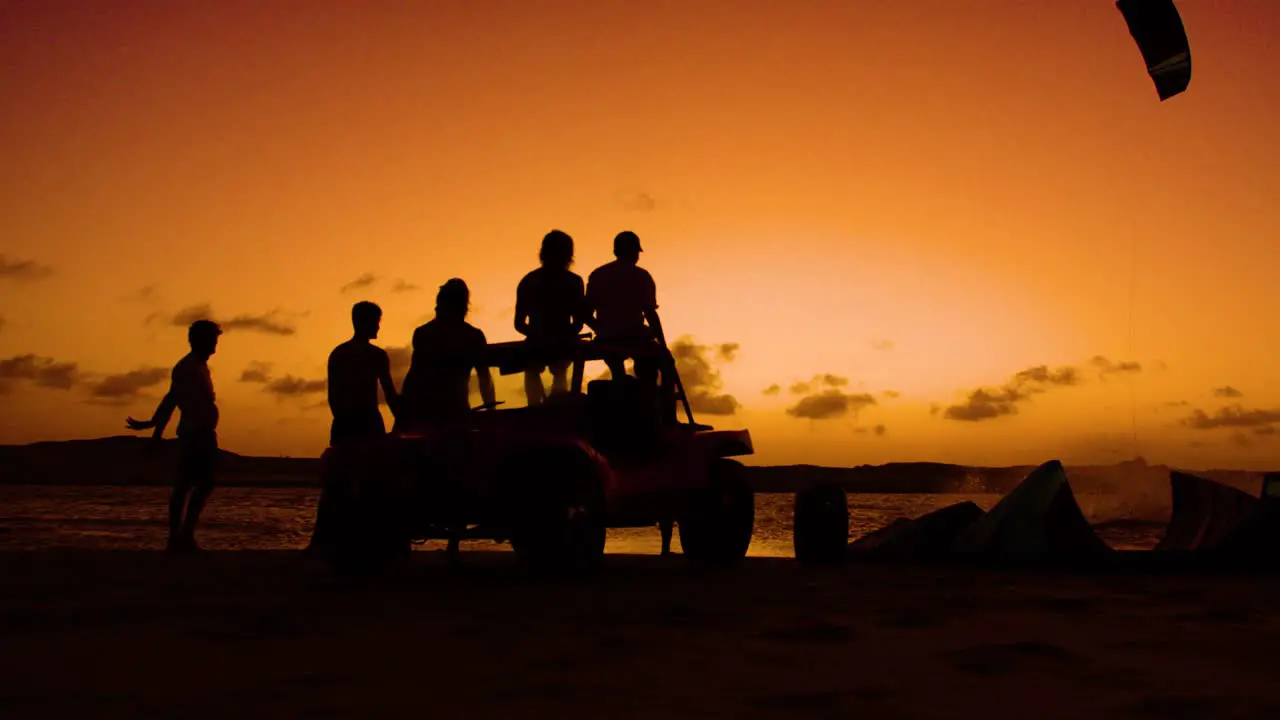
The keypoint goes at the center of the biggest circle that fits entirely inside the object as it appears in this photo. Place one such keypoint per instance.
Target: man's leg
(666, 527)
(533, 389)
(199, 467)
(177, 503)
(560, 377)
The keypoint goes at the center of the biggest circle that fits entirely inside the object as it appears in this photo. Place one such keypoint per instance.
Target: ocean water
(37, 517)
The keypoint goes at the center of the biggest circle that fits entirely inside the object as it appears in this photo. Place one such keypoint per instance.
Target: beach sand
(245, 634)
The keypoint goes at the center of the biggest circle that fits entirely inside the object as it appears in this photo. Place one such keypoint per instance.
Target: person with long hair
(549, 310)
(446, 350)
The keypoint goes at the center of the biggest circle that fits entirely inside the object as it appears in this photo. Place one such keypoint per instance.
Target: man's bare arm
(651, 316)
(522, 318)
(389, 386)
(484, 378)
(587, 313)
(158, 420)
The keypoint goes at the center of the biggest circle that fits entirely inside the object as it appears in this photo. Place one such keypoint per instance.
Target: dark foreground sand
(140, 634)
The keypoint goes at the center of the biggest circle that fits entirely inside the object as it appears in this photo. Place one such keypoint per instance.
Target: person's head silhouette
(557, 250)
(366, 319)
(453, 300)
(626, 247)
(202, 335)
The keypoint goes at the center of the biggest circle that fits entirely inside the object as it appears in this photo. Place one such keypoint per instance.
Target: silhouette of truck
(549, 479)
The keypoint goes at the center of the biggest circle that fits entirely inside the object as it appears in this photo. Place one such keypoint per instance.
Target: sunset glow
(921, 199)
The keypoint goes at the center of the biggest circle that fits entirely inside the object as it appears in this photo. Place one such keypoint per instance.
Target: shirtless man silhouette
(357, 368)
(191, 392)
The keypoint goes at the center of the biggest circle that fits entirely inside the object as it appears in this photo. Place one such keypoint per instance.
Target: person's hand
(139, 424)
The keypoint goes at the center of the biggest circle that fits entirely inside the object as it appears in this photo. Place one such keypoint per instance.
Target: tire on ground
(555, 511)
(715, 530)
(821, 525)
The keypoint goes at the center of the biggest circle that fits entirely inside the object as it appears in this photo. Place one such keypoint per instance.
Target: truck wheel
(716, 529)
(556, 513)
(821, 526)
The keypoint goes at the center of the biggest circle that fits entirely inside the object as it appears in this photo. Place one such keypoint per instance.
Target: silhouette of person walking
(191, 392)
(549, 309)
(622, 309)
(357, 368)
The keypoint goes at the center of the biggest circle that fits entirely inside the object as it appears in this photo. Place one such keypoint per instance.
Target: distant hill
(124, 460)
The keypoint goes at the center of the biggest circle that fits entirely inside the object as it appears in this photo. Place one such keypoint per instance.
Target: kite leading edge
(1157, 28)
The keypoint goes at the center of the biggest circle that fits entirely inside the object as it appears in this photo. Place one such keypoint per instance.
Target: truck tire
(821, 525)
(555, 512)
(716, 529)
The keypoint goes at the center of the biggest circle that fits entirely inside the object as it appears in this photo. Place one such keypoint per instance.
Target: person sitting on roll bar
(549, 309)
(622, 309)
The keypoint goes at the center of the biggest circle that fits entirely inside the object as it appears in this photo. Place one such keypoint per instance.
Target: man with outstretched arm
(191, 392)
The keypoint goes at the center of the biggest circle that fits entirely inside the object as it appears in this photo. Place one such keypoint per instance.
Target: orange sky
(922, 198)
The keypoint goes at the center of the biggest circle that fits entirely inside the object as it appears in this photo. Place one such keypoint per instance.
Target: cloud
(638, 201)
(23, 270)
(818, 381)
(2, 322)
(122, 388)
(404, 286)
(1239, 439)
(268, 323)
(1264, 430)
(877, 430)
(1231, 416)
(701, 379)
(144, 294)
(364, 281)
(290, 386)
(891, 394)
(40, 371)
(882, 345)
(257, 372)
(986, 404)
(824, 398)
(773, 389)
(1227, 392)
(1106, 367)
(829, 404)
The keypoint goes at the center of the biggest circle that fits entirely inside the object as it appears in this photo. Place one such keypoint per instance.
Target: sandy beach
(142, 634)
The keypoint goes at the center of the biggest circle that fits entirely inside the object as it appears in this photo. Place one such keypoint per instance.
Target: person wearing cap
(191, 393)
(622, 309)
(549, 309)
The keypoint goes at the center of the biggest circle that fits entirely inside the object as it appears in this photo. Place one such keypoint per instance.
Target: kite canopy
(1157, 28)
